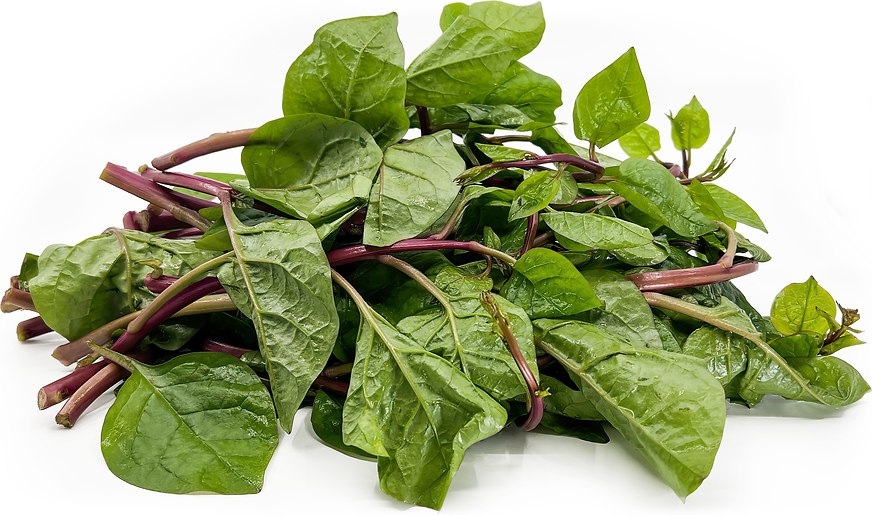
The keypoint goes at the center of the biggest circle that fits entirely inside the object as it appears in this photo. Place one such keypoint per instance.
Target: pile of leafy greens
(420, 256)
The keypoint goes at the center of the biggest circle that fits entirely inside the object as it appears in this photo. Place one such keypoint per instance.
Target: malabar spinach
(496, 272)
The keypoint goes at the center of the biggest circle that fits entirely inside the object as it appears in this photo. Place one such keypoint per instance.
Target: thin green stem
(726, 260)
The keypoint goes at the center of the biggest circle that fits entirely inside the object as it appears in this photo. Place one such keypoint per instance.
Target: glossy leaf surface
(690, 127)
(612, 103)
(199, 422)
(641, 141)
(795, 308)
(281, 281)
(546, 284)
(594, 231)
(414, 188)
(354, 70)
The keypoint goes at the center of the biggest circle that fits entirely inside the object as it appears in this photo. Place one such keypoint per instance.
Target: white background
(83, 83)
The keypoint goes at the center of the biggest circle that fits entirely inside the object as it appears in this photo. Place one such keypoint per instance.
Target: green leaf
(799, 345)
(707, 204)
(795, 308)
(501, 154)
(827, 379)
(29, 270)
(666, 404)
(690, 127)
(719, 162)
(546, 284)
(535, 193)
(479, 351)
(327, 423)
(589, 430)
(465, 62)
(414, 410)
(281, 281)
(612, 103)
(82, 287)
(846, 340)
(641, 141)
(415, 187)
(653, 190)
(725, 353)
(649, 254)
(199, 422)
(353, 70)
(594, 231)
(624, 312)
(218, 239)
(521, 27)
(531, 93)
(293, 163)
(450, 13)
(734, 207)
(564, 400)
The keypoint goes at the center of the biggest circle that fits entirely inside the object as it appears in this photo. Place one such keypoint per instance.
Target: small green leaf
(624, 312)
(734, 207)
(466, 61)
(707, 204)
(450, 13)
(653, 190)
(199, 422)
(594, 231)
(414, 189)
(846, 340)
(719, 161)
(642, 141)
(795, 308)
(534, 194)
(690, 127)
(546, 284)
(612, 103)
(799, 345)
(501, 154)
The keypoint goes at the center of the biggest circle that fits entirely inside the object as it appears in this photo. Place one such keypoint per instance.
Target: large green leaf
(533, 94)
(281, 281)
(415, 410)
(690, 127)
(652, 189)
(415, 187)
(666, 404)
(354, 70)
(624, 312)
(466, 61)
(798, 308)
(199, 422)
(82, 287)
(546, 284)
(535, 193)
(519, 26)
(612, 103)
(593, 231)
(295, 162)
(477, 349)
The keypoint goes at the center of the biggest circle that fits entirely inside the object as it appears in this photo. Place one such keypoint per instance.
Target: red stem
(55, 392)
(687, 277)
(32, 327)
(213, 143)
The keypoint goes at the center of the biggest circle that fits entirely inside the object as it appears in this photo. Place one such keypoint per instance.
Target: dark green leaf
(327, 423)
(546, 284)
(612, 103)
(79, 288)
(354, 70)
(534, 194)
(624, 312)
(199, 422)
(465, 62)
(295, 162)
(666, 404)
(414, 189)
(690, 127)
(414, 410)
(281, 281)
(593, 231)
(589, 430)
(566, 401)
(652, 189)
